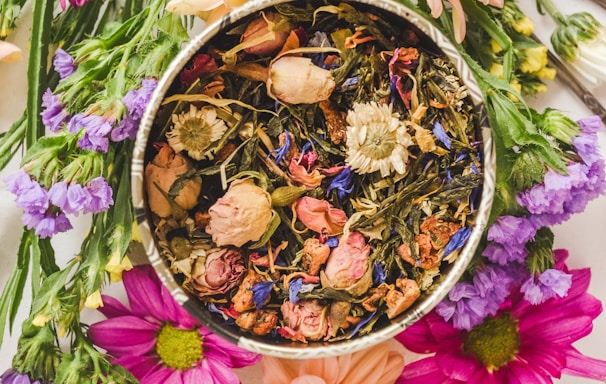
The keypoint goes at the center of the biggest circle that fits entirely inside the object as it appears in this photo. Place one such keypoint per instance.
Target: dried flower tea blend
(315, 169)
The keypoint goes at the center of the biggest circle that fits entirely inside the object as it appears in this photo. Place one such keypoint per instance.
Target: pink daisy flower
(522, 343)
(160, 342)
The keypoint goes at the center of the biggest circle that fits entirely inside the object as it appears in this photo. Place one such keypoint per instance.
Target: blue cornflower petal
(457, 240)
(378, 274)
(343, 183)
(441, 135)
(279, 153)
(261, 291)
(332, 242)
(362, 323)
(293, 290)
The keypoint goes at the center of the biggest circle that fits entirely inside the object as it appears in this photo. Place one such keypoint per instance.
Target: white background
(583, 235)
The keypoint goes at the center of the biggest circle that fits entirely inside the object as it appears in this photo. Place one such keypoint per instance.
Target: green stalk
(553, 11)
(37, 68)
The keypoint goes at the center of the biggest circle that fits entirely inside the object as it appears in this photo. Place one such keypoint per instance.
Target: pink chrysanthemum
(159, 342)
(522, 343)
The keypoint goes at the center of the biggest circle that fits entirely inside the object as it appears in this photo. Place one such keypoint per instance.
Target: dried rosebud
(161, 173)
(347, 266)
(314, 256)
(296, 80)
(264, 26)
(243, 299)
(306, 320)
(241, 215)
(259, 322)
(320, 216)
(398, 301)
(218, 272)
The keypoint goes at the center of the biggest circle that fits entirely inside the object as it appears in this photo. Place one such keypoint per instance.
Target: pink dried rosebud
(264, 26)
(347, 266)
(161, 173)
(315, 255)
(320, 216)
(218, 272)
(305, 320)
(241, 215)
(296, 80)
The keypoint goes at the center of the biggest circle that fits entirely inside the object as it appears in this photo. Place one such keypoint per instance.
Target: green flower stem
(553, 11)
(37, 68)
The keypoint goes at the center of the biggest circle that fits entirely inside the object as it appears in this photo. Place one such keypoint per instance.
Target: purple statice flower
(46, 224)
(293, 290)
(511, 230)
(492, 283)
(53, 115)
(135, 102)
(30, 196)
(550, 283)
(70, 197)
(503, 255)
(441, 135)
(464, 306)
(591, 124)
(342, 183)
(280, 152)
(95, 129)
(63, 63)
(586, 146)
(11, 376)
(100, 196)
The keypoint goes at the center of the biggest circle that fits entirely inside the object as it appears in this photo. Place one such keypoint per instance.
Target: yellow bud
(116, 266)
(496, 48)
(497, 70)
(546, 73)
(94, 300)
(136, 234)
(525, 26)
(536, 59)
(41, 319)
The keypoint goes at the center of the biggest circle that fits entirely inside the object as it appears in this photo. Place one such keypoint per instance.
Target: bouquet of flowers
(91, 70)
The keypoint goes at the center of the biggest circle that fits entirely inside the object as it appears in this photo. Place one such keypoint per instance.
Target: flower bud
(306, 320)
(347, 266)
(241, 215)
(160, 175)
(261, 28)
(217, 272)
(296, 80)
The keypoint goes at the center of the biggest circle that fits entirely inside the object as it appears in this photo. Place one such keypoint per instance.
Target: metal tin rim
(422, 306)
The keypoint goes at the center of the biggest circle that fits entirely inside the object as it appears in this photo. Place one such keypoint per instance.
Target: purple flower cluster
(549, 284)
(135, 101)
(469, 302)
(13, 377)
(63, 63)
(53, 114)
(95, 128)
(508, 236)
(45, 210)
(561, 196)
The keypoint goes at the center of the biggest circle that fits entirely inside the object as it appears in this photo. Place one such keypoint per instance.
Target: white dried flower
(195, 131)
(377, 140)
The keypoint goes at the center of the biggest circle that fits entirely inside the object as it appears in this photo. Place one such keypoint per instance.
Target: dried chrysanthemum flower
(376, 139)
(195, 131)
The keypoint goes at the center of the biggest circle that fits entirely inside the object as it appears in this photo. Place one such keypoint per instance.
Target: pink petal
(229, 354)
(127, 335)
(144, 291)
(520, 373)
(458, 20)
(113, 307)
(457, 365)
(424, 371)
(139, 366)
(219, 372)
(543, 356)
(583, 366)
(564, 331)
(163, 376)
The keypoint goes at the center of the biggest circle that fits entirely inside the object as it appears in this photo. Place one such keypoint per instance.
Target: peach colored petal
(436, 7)
(327, 368)
(301, 175)
(9, 53)
(279, 371)
(320, 216)
(458, 20)
(370, 365)
(309, 379)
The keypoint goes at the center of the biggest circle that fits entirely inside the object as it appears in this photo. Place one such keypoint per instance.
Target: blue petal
(457, 240)
(261, 291)
(441, 135)
(293, 290)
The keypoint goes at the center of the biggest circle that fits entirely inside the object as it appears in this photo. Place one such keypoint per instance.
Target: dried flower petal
(320, 216)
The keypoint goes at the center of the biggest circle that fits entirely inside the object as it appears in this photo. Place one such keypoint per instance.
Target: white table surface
(582, 235)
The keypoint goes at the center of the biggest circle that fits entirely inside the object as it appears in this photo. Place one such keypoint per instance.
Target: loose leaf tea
(333, 158)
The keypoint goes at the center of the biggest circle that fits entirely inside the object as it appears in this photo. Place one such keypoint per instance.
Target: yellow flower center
(379, 143)
(195, 131)
(495, 342)
(179, 349)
